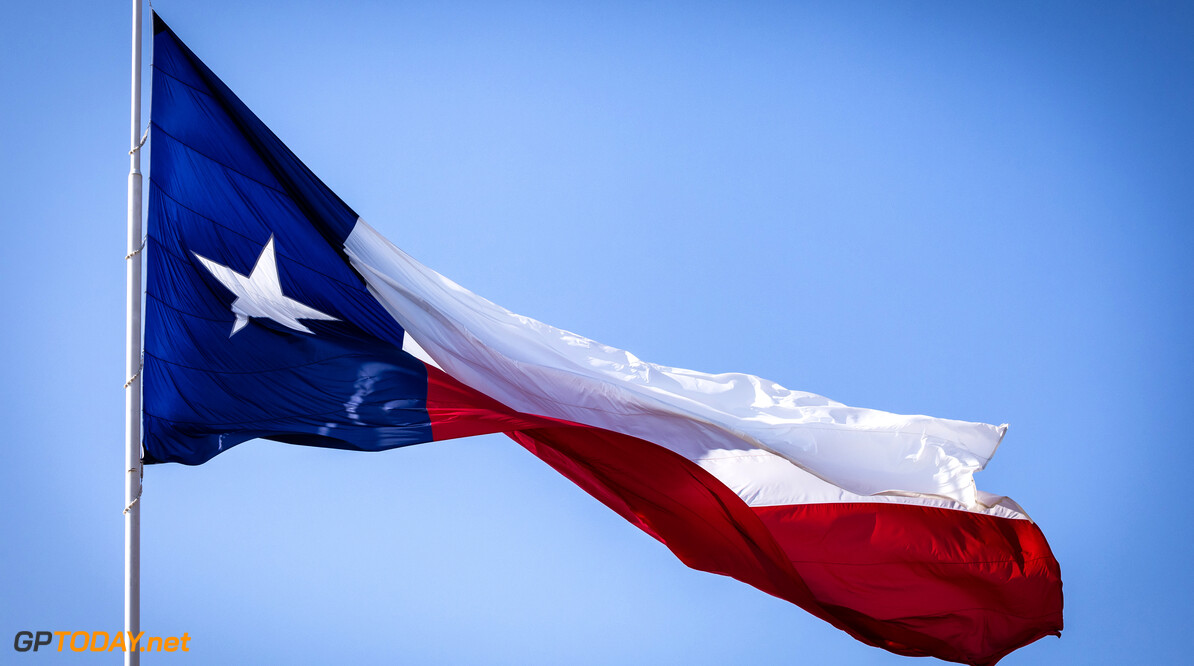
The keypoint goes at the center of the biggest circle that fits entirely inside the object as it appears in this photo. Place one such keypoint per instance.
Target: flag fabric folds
(273, 311)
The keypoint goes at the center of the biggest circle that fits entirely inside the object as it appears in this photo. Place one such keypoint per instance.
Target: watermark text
(98, 641)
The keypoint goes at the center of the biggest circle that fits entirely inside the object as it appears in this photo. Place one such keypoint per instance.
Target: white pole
(132, 395)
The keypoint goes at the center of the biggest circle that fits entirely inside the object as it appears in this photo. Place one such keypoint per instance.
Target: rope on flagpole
(144, 136)
(138, 497)
(140, 489)
(140, 367)
(137, 251)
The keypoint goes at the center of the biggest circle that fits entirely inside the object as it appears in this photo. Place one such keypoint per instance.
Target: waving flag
(273, 311)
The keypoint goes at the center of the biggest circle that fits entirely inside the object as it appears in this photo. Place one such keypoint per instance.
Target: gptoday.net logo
(99, 641)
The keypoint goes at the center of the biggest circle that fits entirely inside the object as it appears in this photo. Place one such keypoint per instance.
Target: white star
(260, 294)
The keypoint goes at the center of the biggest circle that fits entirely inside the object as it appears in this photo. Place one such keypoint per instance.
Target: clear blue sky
(979, 211)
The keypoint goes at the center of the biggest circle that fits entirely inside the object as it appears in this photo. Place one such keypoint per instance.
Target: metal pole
(132, 395)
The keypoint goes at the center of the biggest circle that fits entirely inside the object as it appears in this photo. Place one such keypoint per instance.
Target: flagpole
(132, 395)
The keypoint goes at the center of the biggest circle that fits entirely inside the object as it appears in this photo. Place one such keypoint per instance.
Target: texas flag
(274, 311)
